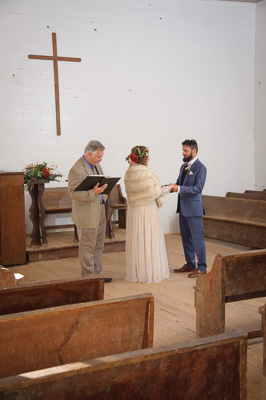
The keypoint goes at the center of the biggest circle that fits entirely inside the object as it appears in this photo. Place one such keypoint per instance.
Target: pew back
(51, 337)
(235, 209)
(56, 200)
(256, 191)
(50, 294)
(209, 368)
(232, 278)
(235, 220)
(117, 202)
(246, 196)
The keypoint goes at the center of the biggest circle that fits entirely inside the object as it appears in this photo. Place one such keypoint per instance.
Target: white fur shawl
(142, 186)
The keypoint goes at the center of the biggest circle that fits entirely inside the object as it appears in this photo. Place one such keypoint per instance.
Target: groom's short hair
(191, 143)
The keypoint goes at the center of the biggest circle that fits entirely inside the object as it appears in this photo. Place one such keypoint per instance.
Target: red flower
(46, 173)
(134, 158)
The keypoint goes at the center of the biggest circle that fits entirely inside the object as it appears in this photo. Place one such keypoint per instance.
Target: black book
(91, 180)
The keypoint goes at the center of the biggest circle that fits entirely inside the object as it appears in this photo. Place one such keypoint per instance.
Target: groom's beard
(187, 159)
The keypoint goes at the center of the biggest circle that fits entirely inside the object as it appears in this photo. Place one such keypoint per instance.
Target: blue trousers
(192, 233)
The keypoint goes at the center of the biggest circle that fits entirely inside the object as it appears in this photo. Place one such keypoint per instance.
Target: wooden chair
(117, 202)
(210, 368)
(233, 277)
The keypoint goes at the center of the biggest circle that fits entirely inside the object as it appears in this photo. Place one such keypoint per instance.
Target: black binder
(91, 180)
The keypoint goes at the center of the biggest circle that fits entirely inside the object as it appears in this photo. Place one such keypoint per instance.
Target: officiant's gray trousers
(91, 245)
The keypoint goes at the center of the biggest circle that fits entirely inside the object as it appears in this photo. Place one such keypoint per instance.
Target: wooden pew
(233, 277)
(50, 294)
(211, 368)
(262, 311)
(235, 220)
(117, 202)
(57, 201)
(7, 278)
(246, 196)
(50, 337)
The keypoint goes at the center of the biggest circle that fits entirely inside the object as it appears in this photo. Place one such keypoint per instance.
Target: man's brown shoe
(185, 268)
(196, 273)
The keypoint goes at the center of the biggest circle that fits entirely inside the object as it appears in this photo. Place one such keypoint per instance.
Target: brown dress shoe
(196, 273)
(185, 268)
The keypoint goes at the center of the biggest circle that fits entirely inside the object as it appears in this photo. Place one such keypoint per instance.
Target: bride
(146, 259)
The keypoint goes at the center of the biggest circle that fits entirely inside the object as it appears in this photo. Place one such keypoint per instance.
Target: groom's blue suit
(190, 209)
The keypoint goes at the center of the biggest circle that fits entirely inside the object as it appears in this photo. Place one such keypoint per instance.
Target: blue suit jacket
(190, 196)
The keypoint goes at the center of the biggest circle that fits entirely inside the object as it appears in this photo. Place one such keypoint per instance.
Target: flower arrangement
(34, 173)
(134, 158)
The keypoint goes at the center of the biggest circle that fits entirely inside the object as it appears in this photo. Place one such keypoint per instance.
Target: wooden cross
(55, 59)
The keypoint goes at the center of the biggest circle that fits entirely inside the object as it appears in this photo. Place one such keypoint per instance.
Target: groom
(189, 186)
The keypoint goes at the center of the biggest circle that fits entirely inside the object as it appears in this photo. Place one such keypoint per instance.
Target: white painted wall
(260, 96)
(152, 73)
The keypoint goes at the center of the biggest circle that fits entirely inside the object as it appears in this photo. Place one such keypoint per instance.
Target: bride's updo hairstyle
(138, 155)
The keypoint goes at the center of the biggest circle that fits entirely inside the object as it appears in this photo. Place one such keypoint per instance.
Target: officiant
(90, 209)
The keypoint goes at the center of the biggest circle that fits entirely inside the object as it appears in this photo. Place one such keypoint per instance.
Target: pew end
(7, 278)
(117, 202)
(233, 277)
(262, 311)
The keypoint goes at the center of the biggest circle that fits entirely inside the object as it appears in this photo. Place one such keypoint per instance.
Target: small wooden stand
(37, 215)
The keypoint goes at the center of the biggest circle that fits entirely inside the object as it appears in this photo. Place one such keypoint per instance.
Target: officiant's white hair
(93, 146)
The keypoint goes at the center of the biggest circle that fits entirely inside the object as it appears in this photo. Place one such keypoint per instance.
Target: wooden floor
(174, 298)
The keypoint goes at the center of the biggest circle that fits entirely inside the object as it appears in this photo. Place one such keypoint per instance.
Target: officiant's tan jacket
(86, 207)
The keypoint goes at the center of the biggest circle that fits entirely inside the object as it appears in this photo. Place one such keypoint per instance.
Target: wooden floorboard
(174, 298)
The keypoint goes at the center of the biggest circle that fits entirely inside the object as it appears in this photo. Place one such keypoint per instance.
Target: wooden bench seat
(57, 201)
(233, 277)
(35, 296)
(262, 311)
(213, 368)
(50, 337)
(235, 220)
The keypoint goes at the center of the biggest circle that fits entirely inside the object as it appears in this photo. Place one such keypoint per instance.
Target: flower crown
(134, 158)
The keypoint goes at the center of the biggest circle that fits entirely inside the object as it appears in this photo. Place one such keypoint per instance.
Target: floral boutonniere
(188, 170)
